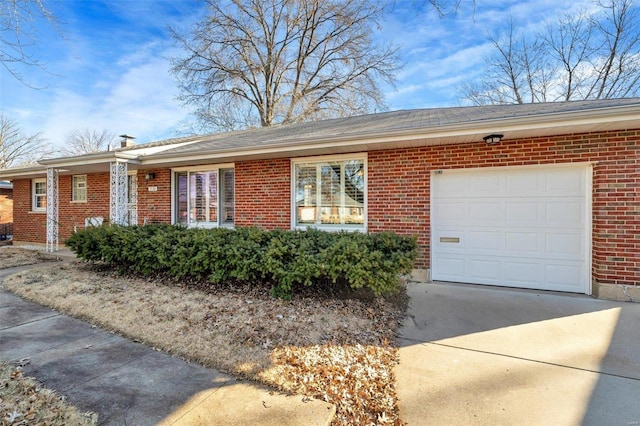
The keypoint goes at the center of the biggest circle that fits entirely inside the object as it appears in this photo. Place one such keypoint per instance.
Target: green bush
(286, 259)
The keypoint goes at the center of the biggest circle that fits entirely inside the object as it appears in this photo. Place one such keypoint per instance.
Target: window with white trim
(39, 195)
(79, 188)
(329, 192)
(204, 197)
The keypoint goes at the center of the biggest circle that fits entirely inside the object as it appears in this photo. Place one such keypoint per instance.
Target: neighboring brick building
(6, 202)
(6, 210)
(552, 203)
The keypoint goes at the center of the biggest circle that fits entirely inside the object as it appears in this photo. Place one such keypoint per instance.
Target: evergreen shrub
(287, 260)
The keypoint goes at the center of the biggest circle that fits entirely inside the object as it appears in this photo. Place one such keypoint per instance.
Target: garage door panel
(485, 240)
(485, 184)
(485, 212)
(450, 212)
(523, 274)
(522, 212)
(565, 213)
(530, 230)
(450, 241)
(563, 276)
(451, 267)
(565, 246)
(483, 269)
(564, 182)
(454, 185)
(524, 243)
(523, 180)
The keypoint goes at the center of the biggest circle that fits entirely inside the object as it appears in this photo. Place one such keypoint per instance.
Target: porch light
(150, 175)
(493, 138)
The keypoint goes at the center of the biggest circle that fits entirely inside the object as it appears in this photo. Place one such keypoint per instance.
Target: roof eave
(22, 172)
(68, 164)
(436, 135)
(102, 157)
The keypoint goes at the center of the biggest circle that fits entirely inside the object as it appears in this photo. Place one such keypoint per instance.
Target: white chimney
(126, 141)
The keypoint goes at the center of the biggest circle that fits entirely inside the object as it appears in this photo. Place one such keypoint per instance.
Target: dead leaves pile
(332, 349)
(357, 378)
(24, 402)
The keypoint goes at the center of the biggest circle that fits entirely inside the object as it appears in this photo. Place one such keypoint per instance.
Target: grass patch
(23, 401)
(334, 349)
(15, 256)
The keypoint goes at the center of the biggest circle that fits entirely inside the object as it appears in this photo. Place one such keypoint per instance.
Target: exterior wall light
(150, 175)
(493, 139)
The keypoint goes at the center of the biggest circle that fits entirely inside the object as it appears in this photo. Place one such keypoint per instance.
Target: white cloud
(140, 101)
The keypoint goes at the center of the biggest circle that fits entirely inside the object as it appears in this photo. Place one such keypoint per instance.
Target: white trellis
(118, 198)
(132, 200)
(52, 210)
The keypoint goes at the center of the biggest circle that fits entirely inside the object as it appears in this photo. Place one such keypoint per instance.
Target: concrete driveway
(486, 355)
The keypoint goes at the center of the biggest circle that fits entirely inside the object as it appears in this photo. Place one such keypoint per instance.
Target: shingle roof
(385, 123)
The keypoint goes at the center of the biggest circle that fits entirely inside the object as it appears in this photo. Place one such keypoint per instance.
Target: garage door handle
(449, 239)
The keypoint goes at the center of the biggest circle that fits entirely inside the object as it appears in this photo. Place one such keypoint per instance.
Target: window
(39, 195)
(330, 193)
(79, 188)
(205, 197)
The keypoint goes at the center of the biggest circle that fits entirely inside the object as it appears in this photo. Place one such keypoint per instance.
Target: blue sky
(107, 61)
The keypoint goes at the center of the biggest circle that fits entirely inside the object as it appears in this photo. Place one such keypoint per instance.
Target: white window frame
(75, 189)
(206, 168)
(34, 196)
(326, 159)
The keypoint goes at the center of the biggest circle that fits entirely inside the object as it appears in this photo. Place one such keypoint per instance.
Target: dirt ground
(338, 349)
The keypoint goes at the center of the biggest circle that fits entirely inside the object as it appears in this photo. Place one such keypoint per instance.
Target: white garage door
(513, 226)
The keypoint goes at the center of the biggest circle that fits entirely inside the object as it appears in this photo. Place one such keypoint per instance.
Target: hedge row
(286, 259)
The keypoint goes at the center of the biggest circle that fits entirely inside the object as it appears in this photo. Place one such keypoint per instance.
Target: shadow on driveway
(487, 355)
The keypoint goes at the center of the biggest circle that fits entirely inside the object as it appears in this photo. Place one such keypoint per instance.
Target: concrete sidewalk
(129, 383)
(498, 356)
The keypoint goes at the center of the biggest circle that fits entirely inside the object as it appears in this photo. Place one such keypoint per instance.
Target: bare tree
(16, 147)
(586, 56)
(449, 7)
(264, 62)
(18, 33)
(87, 141)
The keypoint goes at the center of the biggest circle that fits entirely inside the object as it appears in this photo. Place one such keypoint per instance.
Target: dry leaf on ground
(323, 347)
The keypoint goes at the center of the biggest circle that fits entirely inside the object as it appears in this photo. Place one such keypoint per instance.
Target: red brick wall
(6, 205)
(32, 227)
(399, 190)
(154, 206)
(71, 215)
(263, 193)
(27, 226)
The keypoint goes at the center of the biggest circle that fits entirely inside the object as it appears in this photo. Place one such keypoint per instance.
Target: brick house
(6, 208)
(542, 196)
